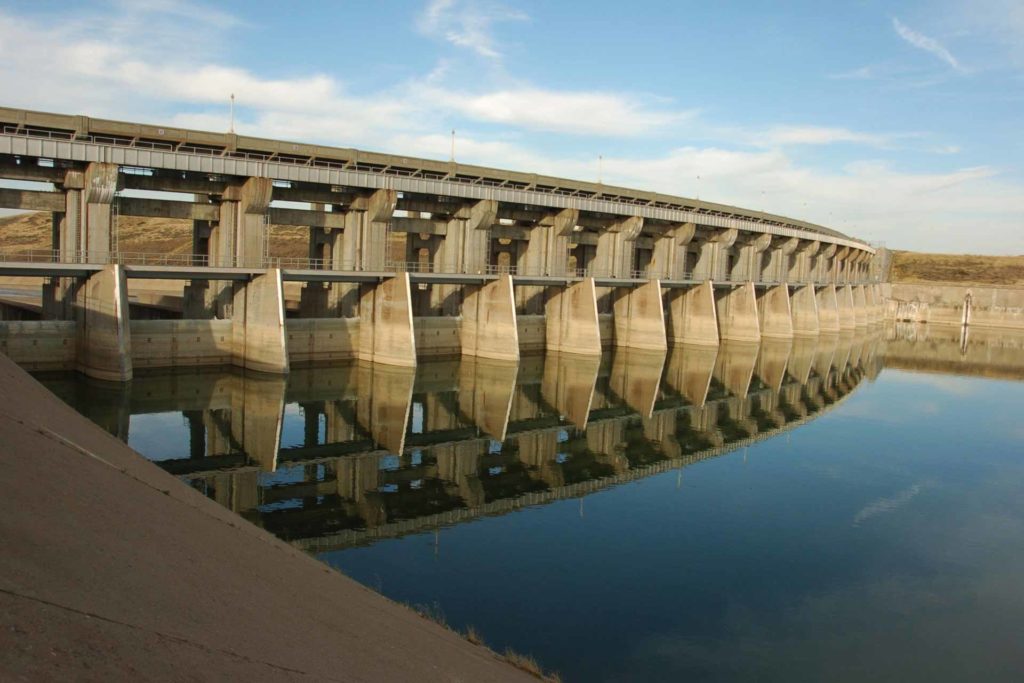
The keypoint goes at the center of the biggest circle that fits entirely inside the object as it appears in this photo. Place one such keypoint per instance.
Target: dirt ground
(912, 266)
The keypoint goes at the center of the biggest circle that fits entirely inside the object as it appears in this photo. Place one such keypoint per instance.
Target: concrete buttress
(572, 322)
(737, 315)
(104, 337)
(828, 310)
(260, 342)
(805, 312)
(640, 318)
(489, 328)
(386, 333)
(693, 318)
(775, 313)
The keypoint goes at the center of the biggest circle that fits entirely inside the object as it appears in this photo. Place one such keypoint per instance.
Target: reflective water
(844, 509)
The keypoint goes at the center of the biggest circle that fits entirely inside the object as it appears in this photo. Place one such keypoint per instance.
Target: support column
(860, 306)
(571, 317)
(97, 217)
(386, 332)
(781, 270)
(242, 232)
(775, 313)
(828, 309)
(693, 317)
(640, 318)
(260, 342)
(489, 327)
(104, 334)
(737, 315)
(547, 250)
(803, 270)
(844, 301)
(823, 271)
(464, 249)
(615, 247)
(747, 267)
(805, 312)
(668, 262)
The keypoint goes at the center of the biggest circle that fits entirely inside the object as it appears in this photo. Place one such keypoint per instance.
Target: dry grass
(146, 235)
(912, 266)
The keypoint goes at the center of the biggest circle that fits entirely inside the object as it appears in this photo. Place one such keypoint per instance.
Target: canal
(846, 508)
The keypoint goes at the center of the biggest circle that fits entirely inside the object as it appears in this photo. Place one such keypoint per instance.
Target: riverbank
(114, 570)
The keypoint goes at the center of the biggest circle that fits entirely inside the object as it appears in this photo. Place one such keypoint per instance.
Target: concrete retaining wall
(321, 339)
(169, 343)
(40, 344)
(437, 336)
(531, 332)
(944, 305)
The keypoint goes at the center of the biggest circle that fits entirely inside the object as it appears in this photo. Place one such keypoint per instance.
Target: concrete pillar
(724, 240)
(240, 236)
(860, 306)
(260, 342)
(775, 314)
(97, 217)
(844, 302)
(386, 332)
(371, 227)
(616, 246)
(748, 264)
(640, 318)
(804, 306)
(828, 309)
(568, 385)
(737, 314)
(489, 321)
(464, 249)
(689, 370)
(823, 273)
(547, 250)
(693, 318)
(802, 268)
(486, 388)
(69, 232)
(784, 263)
(572, 322)
(104, 335)
(668, 262)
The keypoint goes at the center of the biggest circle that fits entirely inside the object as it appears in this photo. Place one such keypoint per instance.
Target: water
(843, 510)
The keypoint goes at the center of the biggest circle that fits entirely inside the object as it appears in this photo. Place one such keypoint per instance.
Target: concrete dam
(407, 257)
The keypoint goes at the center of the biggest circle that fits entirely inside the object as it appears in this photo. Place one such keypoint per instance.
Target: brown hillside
(146, 235)
(912, 266)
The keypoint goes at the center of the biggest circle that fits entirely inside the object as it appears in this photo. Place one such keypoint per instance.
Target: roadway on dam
(113, 569)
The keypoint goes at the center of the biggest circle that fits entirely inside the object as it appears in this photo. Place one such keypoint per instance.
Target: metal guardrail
(300, 263)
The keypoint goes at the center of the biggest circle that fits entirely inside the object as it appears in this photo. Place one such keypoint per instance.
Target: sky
(895, 122)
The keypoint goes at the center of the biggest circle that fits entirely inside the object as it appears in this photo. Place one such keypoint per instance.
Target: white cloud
(818, 135)
(923, 42)
(860, 74)
(467, 23)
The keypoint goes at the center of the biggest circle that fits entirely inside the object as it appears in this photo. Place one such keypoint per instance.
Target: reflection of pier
(385, 450)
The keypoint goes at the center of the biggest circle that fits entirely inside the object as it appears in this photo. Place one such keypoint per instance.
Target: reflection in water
(881, 541)
(333, 456)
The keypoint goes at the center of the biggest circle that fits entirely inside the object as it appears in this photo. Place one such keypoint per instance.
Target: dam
(407, 258)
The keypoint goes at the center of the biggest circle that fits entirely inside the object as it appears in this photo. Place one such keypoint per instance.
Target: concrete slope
(112, 569)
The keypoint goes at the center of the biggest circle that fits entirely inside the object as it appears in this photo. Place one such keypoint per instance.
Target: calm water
(842, 510)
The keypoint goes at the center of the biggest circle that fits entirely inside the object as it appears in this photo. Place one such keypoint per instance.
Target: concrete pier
(737, 315)
(104, 341)
(489, 327)
(693, 316)
(804, 306)
(775, 314)
(844, 304)
(640, 318)
(385, 325)
(828, 310)
(258, 324)
(572, 322)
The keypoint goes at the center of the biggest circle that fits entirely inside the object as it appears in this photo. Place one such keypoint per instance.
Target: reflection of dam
(333, 456)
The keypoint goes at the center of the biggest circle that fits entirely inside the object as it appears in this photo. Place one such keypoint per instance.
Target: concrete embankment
(114, 570)
(954, 303)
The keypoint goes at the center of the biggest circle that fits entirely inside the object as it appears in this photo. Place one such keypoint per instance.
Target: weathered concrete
(693, 316)
(844, 303)
(258, 324)
(181, 343)
(572, 322)
(774, 313)
(385, 326)
(489, 328)
(737, 315)
(153, 580)
(104, 339)
(640, 318)
(860, 306)
(980, 306)
(828, 310)
(804, 306)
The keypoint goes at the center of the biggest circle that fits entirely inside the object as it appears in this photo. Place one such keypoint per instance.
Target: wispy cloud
(467, 23)
(860, 74)
(819, 135)
(926, 43)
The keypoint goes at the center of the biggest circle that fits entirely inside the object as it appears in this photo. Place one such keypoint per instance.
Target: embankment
(114, 570)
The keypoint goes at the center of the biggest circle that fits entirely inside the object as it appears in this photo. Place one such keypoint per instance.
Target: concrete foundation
(844, 302)
(828, 310)
(258, 324)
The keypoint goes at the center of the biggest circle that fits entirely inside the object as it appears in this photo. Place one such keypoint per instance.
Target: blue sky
(897, 122)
